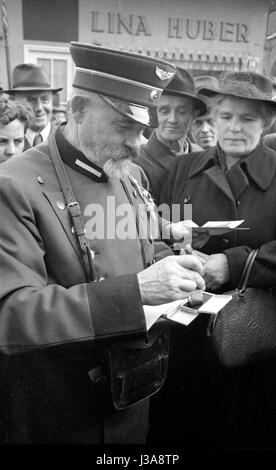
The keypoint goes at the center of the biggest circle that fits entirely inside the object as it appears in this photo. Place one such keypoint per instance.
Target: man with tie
(30, 83)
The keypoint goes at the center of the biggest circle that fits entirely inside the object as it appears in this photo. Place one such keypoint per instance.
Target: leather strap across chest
(74, 210)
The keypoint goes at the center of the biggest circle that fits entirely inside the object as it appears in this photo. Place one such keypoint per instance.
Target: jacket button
(61, 205)
(40, 180)
(238, 203)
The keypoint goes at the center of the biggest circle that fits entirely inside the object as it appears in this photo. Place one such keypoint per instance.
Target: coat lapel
(207, 164)
(219, 179)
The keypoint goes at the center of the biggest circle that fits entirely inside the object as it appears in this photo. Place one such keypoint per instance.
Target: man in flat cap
(77, 265)
(176, 109)
(30, 83)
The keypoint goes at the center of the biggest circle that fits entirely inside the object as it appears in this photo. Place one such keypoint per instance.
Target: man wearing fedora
(177, 108)
(30, 83)
(78, 360)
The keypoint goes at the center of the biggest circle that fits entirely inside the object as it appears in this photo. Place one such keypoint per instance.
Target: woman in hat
(14, 118)
(235, 180)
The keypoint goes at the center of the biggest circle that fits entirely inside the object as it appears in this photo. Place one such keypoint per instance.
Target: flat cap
(131, 83)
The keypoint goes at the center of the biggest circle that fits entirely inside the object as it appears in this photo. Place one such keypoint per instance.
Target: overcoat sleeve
(35, 312)
(263, 272)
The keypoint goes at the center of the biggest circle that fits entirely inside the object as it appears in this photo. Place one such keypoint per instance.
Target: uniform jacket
(247, 191)
(156, 159)
(53, 325)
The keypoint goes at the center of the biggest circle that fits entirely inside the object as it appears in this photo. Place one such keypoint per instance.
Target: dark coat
(248, 192)
(54, 327)
(156, 159)
(224, 408)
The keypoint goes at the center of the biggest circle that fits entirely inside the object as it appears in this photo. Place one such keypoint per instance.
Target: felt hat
(30, 77)
(183, 84)
(130, 83)
(249, 85)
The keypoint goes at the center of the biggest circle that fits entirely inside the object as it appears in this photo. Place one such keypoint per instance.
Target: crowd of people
(78, 362)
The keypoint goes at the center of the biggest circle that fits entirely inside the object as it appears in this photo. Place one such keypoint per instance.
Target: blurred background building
(203, 37)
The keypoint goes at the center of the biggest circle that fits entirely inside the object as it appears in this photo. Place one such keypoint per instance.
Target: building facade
(203, 37)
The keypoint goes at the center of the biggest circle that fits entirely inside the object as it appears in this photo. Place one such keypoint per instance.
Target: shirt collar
(76, 159)
(30, 134)
(177, 147)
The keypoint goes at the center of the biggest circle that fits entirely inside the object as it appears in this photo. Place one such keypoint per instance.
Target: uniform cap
(131, 83)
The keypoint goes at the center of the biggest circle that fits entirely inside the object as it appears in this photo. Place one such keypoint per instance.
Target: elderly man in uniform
(78, 362)
(30, 83)
(176, 110)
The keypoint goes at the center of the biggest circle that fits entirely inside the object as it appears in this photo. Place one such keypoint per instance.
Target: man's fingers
(187, 286)
(189, 275)
(189, 262)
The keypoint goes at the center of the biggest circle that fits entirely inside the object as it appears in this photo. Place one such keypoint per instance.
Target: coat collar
(76, 160)
(260, 165)
(161, 153)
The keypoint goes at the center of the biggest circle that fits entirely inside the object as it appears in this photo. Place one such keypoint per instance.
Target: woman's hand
(216, 271)
(183, 232)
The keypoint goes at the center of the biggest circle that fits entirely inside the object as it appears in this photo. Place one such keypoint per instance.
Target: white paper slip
(215, 304)
(181, 316)
(153, 312)
(179, 311)
(223, 223)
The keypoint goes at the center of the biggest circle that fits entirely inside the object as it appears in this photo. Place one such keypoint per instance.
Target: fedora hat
(250, 85)
(30, 77)
(183, 84)
(128, 82)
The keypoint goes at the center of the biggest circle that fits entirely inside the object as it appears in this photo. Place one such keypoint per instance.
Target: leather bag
(244, 331)
(139, 370)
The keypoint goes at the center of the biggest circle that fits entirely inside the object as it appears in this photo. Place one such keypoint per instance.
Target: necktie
(37, 140)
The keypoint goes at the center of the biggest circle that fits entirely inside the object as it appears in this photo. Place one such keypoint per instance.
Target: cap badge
(154, 95)
(163, 74)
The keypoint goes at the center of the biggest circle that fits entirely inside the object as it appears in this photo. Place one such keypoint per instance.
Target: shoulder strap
(246, 272)
(74, 209)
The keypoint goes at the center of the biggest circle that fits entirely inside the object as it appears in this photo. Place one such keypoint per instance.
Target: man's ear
(78, 105)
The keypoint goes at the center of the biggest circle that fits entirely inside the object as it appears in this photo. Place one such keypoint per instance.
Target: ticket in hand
(218, 227)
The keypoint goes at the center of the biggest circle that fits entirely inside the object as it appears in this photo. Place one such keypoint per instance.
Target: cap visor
(141, 114)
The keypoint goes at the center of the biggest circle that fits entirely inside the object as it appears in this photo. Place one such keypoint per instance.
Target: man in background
(203, 127)
(177, 108)
(30, 84)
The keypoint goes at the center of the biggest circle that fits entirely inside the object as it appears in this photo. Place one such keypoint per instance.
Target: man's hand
(216, 271)
(170, 278)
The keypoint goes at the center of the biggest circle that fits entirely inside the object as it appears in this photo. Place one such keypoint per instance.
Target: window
(57, 63)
